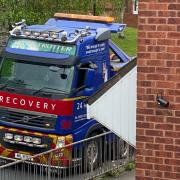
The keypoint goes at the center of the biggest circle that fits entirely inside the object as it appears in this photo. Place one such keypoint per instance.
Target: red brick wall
(129, 18)
(158, 128)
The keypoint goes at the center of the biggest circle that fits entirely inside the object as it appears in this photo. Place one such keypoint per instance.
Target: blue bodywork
(90, 52)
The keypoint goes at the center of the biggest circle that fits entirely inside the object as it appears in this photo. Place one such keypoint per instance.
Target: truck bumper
(11, 148)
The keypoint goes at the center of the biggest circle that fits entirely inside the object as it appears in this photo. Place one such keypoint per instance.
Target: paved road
(130, 175)
(127, 175)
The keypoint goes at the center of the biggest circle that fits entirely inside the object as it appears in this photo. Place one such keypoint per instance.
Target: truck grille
(27, 119)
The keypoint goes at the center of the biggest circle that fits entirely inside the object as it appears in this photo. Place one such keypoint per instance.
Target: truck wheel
(125, 150)
(118, 150)
(91, 153)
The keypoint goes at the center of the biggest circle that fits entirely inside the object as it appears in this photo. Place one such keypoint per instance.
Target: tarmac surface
(128, 175)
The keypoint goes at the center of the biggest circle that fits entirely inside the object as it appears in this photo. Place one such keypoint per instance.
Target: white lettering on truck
(38, 104)
(45, 105)
(53, 106)
(7, 100)
(1, 98)
(30, 103)
(15, 101)
(22, 102)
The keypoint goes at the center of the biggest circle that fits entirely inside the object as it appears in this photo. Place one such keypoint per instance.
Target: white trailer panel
(116, 108)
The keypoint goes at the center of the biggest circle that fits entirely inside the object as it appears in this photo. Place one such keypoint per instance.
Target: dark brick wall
(129, 18)
(158, 128)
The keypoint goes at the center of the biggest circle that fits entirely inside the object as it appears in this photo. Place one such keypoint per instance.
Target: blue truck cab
(46, 74)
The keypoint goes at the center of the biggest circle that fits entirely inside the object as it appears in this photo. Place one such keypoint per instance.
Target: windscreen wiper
(3, 86)
(44, 88)
(16, 81)
(78, 89)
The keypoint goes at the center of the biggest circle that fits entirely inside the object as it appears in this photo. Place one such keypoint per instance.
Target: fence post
(49, 166)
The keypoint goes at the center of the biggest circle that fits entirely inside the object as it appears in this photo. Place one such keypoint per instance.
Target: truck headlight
(8, 136)
(36, 140)
(18, 138)
(27, 139)
(60, 142)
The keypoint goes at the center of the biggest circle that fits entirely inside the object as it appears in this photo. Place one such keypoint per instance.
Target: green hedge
(38, 11)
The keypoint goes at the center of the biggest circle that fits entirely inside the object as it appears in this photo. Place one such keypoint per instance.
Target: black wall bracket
(161, 101)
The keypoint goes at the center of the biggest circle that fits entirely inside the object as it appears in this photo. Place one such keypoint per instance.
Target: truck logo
(26, 119)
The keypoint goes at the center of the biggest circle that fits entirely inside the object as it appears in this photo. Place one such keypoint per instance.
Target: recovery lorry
(46, 73)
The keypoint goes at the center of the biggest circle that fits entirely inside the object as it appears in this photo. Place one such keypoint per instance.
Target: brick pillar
(158, 128)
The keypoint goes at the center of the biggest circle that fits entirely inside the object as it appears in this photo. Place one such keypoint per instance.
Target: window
(43, 46)
(135, 6)
(36, 75)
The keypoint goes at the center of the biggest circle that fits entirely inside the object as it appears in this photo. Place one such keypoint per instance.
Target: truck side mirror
(89, 81)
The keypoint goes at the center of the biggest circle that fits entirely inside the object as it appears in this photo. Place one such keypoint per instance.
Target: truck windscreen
(43, 46)
(36, 76)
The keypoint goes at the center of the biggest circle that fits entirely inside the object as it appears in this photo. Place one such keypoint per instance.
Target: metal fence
(81, 160)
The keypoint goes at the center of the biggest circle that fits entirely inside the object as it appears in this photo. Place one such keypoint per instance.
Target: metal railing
(81, 160)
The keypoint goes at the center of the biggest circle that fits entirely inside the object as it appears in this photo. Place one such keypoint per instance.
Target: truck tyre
(125, 150)
(117, 149)
(91, 153)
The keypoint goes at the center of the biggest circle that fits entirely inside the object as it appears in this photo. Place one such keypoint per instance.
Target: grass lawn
(129, 43)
